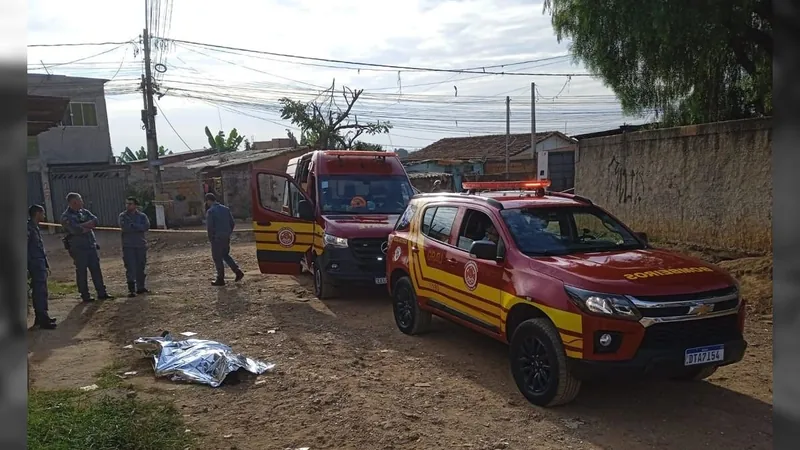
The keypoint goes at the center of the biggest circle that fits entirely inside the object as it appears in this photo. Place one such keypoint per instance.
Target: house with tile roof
(553, 159)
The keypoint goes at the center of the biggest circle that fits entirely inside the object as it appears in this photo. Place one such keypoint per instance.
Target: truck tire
(539, 364)
(696, 374)
(408, 316)
(323, 288)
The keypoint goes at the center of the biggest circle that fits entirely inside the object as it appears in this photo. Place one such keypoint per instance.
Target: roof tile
(478, 147)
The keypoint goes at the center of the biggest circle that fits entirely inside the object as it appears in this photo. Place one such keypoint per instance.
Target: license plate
(704, 355)
(380, 280)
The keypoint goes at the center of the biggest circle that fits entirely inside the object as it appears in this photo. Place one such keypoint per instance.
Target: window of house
(79, 114)
(438, 224)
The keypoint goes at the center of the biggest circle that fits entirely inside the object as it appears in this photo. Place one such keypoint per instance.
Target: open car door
(283, 222)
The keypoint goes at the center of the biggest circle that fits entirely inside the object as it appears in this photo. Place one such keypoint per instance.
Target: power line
(81, 44)
(88, 57)
(376, 65)
(170, 124)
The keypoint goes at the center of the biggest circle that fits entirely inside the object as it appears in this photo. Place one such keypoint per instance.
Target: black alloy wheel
(539, 364)
(408, 316)
(536, 365)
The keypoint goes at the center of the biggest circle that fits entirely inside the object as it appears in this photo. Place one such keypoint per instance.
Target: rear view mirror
(642, 237)
(305, 210)
(483, 250)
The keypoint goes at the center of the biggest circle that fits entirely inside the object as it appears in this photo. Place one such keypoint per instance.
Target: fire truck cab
(329, 214)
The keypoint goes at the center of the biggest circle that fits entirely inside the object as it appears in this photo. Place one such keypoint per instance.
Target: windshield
(567, 230)
(364, 194)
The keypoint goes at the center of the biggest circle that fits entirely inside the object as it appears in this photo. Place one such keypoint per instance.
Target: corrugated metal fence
(103, 190)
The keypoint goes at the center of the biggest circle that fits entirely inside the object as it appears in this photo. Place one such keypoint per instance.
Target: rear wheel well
(520, 313)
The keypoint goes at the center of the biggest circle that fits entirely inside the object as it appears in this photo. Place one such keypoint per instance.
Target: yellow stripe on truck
(450, 284)
(280, 248)
(298, 227)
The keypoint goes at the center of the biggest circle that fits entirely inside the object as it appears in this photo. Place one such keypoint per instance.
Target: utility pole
(508, 130)
(533, 127)
(149, 115)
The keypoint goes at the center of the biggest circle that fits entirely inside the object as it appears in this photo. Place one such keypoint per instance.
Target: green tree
(326, 125)
(221, 144)
(361, 145)
(688, 61)
(129, 155)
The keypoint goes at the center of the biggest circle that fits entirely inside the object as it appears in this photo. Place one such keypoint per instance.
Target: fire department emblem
(397, 253)
(471, 275)
(286, 237)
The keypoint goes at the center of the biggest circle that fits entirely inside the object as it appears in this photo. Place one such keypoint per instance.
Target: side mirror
(484, 250)
(642, 236)
(305, 210)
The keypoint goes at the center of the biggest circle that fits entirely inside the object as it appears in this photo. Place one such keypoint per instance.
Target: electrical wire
(170, 124)
(81, 44)
(366, 65)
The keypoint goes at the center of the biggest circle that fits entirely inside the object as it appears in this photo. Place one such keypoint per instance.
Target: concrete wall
(74, 144)
(709, 185)
(425, 183)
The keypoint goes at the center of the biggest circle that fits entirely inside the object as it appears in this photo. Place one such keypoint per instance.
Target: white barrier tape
(155, 230)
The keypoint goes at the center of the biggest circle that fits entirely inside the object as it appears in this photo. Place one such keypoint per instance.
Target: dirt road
(347, 378)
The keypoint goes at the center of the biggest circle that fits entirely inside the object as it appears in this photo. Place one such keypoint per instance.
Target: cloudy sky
(223, 88)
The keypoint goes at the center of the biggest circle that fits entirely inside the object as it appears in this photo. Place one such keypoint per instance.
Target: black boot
(45, 322)
(131, 289)
(218, 282)
(239, 276)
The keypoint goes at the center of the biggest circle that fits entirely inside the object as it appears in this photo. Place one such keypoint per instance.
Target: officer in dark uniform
(220, 224)
(134, 225)
(82, 246)
(38, 269)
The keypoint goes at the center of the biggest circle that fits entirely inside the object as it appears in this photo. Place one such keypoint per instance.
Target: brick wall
(709, 185)
(518, 170)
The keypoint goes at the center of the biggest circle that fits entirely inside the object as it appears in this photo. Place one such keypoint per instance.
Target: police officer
(220, 224)
(38, 269)
(82, 246)
(134, 225)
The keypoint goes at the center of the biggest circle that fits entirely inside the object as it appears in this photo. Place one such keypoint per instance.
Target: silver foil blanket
(196, 360)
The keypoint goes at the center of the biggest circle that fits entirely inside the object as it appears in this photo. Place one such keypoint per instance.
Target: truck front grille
(692, 333)
(367, 250)
(672, 311)
(688, 297)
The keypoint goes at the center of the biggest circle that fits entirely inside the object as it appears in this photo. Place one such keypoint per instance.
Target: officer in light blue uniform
(38, 269)
(82, 246)
(134, 225)
(220, 224)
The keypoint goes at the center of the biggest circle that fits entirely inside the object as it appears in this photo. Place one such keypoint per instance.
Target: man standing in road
(38, 269)
(134, 225)
(220, 224)
(82, 246)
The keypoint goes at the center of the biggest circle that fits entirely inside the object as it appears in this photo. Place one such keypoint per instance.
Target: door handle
(451, 260)
(415, 249)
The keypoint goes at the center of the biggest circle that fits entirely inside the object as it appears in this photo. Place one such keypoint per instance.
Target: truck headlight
(611, 305)
(334, 241)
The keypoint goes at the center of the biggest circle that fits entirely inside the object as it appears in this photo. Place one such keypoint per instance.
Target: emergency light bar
(505, 185)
